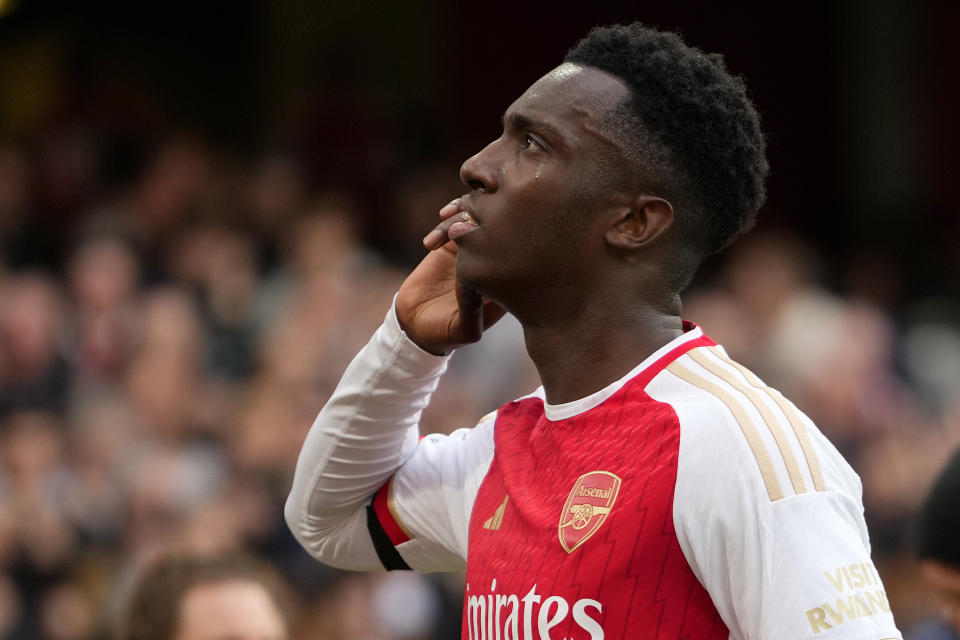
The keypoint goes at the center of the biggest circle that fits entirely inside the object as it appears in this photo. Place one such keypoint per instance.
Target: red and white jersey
(685, 500)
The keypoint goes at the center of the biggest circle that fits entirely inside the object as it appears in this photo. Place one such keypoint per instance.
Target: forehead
(238, 609)
(574, 98)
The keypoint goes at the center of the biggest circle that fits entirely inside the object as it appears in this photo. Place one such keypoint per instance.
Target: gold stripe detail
(746, 426)
(392, 507)
(500, 511)
(793, 416)
(494, 522)
(793, 469)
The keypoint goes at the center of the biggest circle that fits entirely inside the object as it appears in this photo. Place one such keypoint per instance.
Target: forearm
(362, 435)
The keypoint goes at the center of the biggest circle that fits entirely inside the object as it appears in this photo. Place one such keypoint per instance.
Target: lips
(462, 227)
(465, 208)
(465, 225)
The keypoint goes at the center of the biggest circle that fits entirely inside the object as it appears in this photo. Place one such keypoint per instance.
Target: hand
(434, 309)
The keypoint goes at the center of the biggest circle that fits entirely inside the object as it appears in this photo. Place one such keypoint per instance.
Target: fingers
(440, 234)
(450, 208)
(438, 237)
(477, 314)
(435, 239)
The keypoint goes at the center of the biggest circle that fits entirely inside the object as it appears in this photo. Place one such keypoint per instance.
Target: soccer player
(652, 487)
(938, 538)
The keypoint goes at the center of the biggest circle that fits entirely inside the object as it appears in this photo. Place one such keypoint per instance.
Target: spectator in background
(938, 540)
(220, 597)
(103, 274)
(34, 373)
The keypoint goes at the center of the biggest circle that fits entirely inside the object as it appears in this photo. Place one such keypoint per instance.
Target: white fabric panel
(364, 433)
(797, 567)
(434, 492)
(768, 402)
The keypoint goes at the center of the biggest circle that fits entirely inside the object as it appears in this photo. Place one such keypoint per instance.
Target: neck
(589, 346)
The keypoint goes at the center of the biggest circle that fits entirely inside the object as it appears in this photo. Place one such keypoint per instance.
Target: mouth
(465, 207)
(465, 225)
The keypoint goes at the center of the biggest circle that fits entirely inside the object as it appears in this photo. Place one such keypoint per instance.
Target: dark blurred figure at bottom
(937, 540)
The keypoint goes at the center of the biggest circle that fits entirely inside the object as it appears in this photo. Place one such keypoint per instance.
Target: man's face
(230, 610)
(536, 190)
(945, 581)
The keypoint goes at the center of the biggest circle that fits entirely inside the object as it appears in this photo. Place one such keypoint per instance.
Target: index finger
(440, 234)
(450, 208)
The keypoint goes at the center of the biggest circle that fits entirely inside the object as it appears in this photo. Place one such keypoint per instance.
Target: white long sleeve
(364, 433)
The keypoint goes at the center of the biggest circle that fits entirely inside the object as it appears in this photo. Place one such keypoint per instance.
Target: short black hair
(692, 127)
(936, 532)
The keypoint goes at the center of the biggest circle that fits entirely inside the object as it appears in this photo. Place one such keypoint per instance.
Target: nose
(481, 171)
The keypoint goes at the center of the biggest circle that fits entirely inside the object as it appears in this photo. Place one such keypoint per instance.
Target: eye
(531, 142)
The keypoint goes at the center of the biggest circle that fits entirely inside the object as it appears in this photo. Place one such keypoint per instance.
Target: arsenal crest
(587, 507)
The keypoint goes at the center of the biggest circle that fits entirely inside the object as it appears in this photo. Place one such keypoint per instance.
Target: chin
(470, 270)
(484, 276)
(496, 280)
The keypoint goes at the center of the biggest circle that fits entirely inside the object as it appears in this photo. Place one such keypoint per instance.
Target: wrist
(410, 336)
(420, 344)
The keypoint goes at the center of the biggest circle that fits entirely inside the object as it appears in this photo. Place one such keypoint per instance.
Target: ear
(641, 223)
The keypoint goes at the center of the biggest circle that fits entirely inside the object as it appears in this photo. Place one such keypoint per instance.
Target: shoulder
(738, 431)
(768, 514)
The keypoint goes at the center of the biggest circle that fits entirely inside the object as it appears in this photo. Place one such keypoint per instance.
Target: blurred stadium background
(205, 208)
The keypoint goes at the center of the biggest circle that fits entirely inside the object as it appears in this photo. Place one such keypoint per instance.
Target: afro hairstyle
(690, 126)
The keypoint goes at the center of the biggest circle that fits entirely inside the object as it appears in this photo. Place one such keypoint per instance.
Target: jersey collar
(692, 338)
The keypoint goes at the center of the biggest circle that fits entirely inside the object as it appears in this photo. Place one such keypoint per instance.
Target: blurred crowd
(167, 339)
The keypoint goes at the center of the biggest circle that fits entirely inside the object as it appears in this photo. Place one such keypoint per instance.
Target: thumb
(470, 307)
(492, 312)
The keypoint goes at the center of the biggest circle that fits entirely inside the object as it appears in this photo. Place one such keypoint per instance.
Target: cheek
(576, 218)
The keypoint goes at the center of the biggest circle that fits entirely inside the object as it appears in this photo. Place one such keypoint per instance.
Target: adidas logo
(493, 522)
